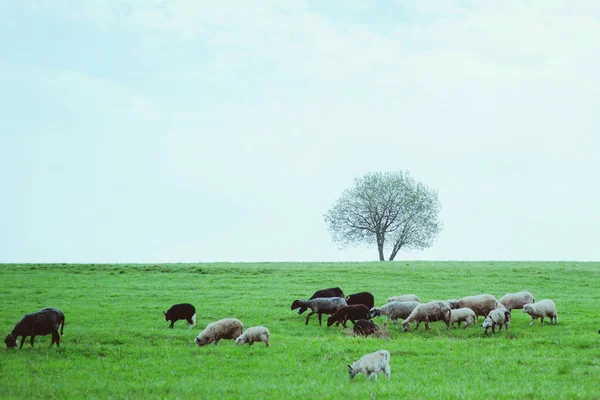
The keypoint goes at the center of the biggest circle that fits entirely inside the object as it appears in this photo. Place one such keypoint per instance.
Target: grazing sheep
(516, 301)
(364, 327)
(460, 315)
(405, 297)
(541, 309)
(436, 310)
(482, 304)
(373, 363)
(365, 298)
(181, 311)
(228, 328)
(254, 334)
(497, 317)
(329, 292)
(453, 303)
(352, 313)
(40, 323)
(394, 310)
(319, 306)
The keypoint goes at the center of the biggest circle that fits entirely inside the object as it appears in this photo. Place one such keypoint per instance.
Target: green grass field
(117, 344)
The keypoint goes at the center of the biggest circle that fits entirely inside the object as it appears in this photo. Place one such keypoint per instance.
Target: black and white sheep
(319, 306)
(371, 364)
(404, 297)
(181, 311)
(497, 317)
(364, 327)
(432, 311)
(481, 304)
(516, 301)
(352, 313)
(542, 309)
(228, 328)
(460, 315)
(394, 310)
(329, 292)
(40, 323)
(365, 298)
(254, 334)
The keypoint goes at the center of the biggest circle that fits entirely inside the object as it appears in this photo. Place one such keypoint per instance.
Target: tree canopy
(391, 210)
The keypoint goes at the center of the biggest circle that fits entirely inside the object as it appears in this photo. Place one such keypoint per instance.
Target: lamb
(460, 315)
(405, 297)
(352, 313)
(541, 309)
(228, 328)
(436, 310)
(181, 311)
(373, 363)
(254, 334)
(498, 316)
(40, 323)
(481, 304)
(394, 310)
(365, 298)
(364, 327)
(516, 301)
(329, 292)
(319, 306)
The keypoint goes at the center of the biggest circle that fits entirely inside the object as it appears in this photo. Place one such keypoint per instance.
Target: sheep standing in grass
(516, 301)
(541, 309)
(254, 334)
(373, 363)
(460, 315)
(429, 312)
(404, 297)
(481, 304)
(319, 306)
(352, 313)
(394, 310)
(497, 317)
(228, 328)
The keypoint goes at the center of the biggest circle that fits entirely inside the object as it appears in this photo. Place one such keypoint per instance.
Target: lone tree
(389, 209)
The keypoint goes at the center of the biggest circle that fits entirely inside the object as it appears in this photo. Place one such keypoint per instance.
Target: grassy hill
(117, 344)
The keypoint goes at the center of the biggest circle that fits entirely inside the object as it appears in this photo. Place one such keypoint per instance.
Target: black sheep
(181, 311)
(352, 313)
(365, 298)
(39, 323)
(330, 292)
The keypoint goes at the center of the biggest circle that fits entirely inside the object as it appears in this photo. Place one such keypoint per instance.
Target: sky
(202, 131)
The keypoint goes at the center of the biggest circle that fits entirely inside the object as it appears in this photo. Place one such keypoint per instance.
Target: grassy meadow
(116, 343)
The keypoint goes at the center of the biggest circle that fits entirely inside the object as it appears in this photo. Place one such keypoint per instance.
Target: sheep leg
(417, 326)
(395, 322)
(427, 325)
(22, 341)
(387, 318)
(308, 316)
(172, 324)
(532, 319)
(542, 318)
(320, 319)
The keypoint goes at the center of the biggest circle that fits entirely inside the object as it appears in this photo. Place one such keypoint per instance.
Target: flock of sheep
(358, 308)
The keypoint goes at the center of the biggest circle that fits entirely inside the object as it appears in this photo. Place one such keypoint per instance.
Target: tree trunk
(380, 248)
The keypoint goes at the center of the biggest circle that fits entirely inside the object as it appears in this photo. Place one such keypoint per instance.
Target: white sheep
(228, 328)
(404, 297)
(394, 310)
(372, 363)
(516, 301)
(541, 309)
(465, 315)
(254, 334)
(436, 310)
(497, 317)
(481, 304)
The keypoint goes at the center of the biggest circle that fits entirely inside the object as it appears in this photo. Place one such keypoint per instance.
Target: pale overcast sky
(188, 130)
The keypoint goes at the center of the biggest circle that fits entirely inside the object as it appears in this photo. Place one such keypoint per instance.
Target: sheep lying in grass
(228, 328)
(428, 312)
(364, 327)
(481, 304)
(254, 334)
(460, 315)
(371, 364)
(319, 306)
(497, 317)
(541, 309)
(394, 310)
(404, 297)
(516, 301)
